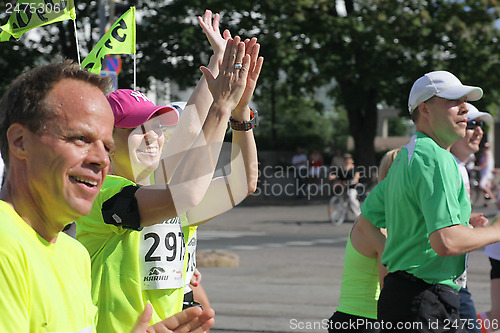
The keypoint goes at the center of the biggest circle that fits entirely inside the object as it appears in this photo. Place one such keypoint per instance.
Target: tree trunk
(274, 136)
(362, 117)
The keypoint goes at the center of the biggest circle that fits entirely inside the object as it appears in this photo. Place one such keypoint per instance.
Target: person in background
(315, 165)
(485, 166)
(337, 159)
(299, 162)
(462, 150)
(363, 273)
(348, 175)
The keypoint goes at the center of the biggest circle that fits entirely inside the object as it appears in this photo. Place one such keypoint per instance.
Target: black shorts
(409, 304)
(347, 323)
(495, 269)
(189, 301)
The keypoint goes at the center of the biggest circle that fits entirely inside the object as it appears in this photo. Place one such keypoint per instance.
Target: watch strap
(245, 125)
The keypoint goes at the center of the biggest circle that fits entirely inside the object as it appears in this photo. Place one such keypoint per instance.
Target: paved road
(291, 260)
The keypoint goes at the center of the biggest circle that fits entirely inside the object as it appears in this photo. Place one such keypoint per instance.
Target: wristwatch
(245, 125)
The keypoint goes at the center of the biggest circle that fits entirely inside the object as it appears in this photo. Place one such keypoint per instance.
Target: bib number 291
(170, 243)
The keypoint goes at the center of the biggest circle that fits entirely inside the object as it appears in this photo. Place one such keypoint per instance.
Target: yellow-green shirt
(116, 280)
(360, 288)
(44, 287)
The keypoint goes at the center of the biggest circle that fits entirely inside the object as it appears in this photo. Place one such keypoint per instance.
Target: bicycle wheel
(337, 210)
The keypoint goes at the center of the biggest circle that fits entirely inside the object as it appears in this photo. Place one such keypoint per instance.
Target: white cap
(179, 106)
(442, 84)
(475, 113)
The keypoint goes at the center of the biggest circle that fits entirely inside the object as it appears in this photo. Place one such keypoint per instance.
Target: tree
(44, 44)
(176, 47)
(379, 48)
(374, 51)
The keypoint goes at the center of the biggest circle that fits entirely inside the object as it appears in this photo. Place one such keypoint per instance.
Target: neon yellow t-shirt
(45, 287)
(360, 288)
(116, 265)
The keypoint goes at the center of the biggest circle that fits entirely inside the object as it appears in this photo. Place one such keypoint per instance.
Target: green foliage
(373, 53)
(396, 127)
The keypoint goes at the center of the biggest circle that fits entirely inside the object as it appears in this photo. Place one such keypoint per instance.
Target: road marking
(300, 243)
(312, 242)
(211, 235)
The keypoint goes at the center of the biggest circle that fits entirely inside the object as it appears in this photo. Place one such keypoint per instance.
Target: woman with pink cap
(136, 233)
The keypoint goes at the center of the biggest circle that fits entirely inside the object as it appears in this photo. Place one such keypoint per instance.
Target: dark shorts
(495, 269)
(343, 322)
(408, 304)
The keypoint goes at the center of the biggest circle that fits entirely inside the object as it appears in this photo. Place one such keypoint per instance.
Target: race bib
(162, 252)
(461, 281)
(191, 264)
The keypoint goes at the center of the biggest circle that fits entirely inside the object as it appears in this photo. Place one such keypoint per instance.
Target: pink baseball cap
(132, 109)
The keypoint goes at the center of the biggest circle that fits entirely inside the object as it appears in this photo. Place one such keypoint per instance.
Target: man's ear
(423, 108)
(16, 136)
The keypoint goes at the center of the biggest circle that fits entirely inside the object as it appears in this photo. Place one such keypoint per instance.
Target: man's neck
(35, 217)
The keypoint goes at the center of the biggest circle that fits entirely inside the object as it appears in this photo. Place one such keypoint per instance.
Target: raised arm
(194, 174)
(196, 109)
(227, 191)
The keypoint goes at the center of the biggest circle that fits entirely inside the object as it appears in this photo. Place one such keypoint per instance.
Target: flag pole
(135, 70)
(77, 47)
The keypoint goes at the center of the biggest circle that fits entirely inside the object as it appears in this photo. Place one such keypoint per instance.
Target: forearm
(244, 144)
(191, 179)
(459, 239)
(226, 192)
(190, 122)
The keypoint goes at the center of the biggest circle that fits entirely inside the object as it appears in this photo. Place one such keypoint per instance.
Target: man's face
(68, 160)
(447, 119)
(138, 150)
(470, 143)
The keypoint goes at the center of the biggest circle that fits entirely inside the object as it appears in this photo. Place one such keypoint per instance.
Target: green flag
(27, 15)
(119, 39)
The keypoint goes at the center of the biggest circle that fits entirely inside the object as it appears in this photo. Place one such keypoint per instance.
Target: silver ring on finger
(238, 66)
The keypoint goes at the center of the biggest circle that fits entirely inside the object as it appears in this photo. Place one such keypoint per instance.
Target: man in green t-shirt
(425, 207)
(55, 138)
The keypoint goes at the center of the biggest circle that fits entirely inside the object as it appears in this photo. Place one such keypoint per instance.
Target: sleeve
(121, 209)
(437, 187)
(91, 230)
(14, 312)
(373, 208)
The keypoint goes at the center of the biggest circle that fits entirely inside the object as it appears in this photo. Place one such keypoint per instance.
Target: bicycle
(340, 205)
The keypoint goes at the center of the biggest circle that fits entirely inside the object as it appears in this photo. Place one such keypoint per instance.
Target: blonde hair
(386, 162)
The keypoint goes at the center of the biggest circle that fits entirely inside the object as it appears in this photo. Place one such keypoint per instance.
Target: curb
(217, 259)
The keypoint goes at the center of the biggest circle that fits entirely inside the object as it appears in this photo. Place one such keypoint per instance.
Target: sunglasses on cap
(472, 124)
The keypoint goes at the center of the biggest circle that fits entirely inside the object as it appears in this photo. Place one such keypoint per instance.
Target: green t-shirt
(116, 256)
(360, 288)
(45, 287)
(422, 193)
